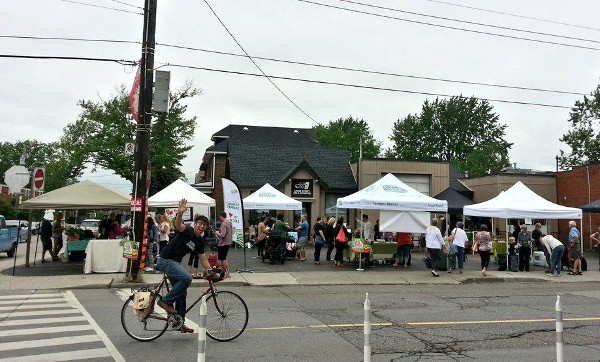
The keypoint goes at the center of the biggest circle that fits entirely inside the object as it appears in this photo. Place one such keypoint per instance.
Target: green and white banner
(233, 206)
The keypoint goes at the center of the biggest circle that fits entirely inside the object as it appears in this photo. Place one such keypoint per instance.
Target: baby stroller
(291, 245)
(274, 249)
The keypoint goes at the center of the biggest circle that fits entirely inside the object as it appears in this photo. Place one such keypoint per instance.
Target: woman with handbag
(483, 244)
(341, 242)
(459, 237)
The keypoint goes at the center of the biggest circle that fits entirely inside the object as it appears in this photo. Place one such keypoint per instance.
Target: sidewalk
(293, 272)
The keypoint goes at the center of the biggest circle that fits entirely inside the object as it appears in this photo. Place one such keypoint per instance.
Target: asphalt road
(491, 321)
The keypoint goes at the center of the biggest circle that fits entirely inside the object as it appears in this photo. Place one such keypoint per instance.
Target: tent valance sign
(389, 193)
(269, 198)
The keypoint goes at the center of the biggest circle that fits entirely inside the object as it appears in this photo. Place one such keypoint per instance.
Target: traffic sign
(129, 148)
(39, 178)
(16, 178)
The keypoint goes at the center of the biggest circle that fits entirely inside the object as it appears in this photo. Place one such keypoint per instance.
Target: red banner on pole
(134, 96)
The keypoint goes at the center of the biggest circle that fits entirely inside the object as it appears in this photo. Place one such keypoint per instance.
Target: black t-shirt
(182, 244)
(318, 226)
(536, 235)
(46, 229)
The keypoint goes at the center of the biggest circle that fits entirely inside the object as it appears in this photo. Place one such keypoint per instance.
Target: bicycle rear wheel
(143, 329)
(227, 316)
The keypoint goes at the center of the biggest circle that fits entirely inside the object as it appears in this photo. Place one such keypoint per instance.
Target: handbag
(452, 250)
(341, 236)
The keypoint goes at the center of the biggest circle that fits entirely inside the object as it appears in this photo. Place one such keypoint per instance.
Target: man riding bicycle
(189, 239)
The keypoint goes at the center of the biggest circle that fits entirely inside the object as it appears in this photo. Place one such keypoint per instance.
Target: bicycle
(227, 315)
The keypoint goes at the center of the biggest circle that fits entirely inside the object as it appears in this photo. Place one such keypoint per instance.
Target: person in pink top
(225, 235)
(116, 230)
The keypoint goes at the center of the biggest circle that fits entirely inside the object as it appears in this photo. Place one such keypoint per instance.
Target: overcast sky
(39, 97)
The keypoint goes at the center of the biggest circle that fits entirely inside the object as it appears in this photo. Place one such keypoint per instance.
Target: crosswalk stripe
(43, 330)
(41, 312)
(62, 356)
(32, 301)
(29, 296)
(35, 306)
(23, 322)
(11, 346)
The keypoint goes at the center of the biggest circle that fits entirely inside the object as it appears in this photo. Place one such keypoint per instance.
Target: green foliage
(8, 210)
(346, 133)
(99, 136)
(584, 137)
(462, 131)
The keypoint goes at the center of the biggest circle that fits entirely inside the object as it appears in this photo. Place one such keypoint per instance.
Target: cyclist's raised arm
(179, 225)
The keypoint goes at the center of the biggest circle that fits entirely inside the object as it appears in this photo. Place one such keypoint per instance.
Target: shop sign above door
(302, 187)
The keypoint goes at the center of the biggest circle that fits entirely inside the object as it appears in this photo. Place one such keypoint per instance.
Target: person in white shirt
(556, 250)
(459, 237)
(367, 228)
(434, 243)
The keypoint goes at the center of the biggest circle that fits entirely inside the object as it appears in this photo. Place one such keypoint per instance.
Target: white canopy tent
(82, 195)
(269, 198)
(389, 194)
(520, 202)
(172, 194)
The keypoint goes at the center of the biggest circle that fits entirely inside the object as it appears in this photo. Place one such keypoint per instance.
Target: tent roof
(82, 195)
(172, 194)
(593, 206)
(389, 193)
(519, 202)
(269, 198)
(456, 200)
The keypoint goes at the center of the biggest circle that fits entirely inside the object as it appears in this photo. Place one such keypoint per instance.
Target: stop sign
(39, 178)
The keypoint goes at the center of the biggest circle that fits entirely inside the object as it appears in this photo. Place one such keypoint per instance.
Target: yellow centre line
(360, 325)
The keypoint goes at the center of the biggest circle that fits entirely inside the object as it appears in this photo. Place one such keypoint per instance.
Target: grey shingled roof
(456, 185)
(267, 135)
(253, 165)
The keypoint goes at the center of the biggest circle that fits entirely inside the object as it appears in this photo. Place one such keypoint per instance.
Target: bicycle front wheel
(227, 316)
(143, 329)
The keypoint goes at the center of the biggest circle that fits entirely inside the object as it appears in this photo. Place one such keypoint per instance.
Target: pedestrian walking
(434, 243)
(46, 235)
(483, 244)
(319, 229)
(459, 238)
(575, 248)
(57, 230)
(556, 250)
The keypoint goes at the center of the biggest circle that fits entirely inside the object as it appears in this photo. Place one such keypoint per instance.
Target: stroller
(291, 245)
(275, 250)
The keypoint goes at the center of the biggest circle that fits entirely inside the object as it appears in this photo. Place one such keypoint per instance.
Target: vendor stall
(172, 194)
(105, 256)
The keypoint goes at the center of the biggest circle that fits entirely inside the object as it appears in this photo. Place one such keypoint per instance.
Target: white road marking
(41, 312)
(22, 322)
(29, 296)
(43, 330)
(35, 306)
(32, 301)
(109, 345)
(11, 346)
(62, 356)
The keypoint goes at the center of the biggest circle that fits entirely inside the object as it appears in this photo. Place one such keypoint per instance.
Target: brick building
(574, 188)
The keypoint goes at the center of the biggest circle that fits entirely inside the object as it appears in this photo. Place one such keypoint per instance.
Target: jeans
(435, 255)
(556, 259)
(485, 258)
(180, 280)
(318, 246)
(460, 254)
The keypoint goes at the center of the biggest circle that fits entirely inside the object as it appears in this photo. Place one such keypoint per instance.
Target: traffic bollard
(202, 330)
(559, 331)
(367, 330)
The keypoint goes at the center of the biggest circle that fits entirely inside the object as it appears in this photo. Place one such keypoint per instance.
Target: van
(90, 224)
(7, 245)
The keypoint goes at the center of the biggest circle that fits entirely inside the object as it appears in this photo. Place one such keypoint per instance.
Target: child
(512, 246)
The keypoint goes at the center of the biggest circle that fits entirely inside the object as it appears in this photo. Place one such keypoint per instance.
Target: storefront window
(331, 210)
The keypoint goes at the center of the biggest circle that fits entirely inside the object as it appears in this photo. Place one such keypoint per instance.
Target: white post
(202, 331)
(559, 331)
(367, 330)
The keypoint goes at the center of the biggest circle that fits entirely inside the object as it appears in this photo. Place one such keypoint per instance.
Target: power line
(335, 67)
(53, 57)
(514, 15)
(470, 22)
(127, 4)
(372, 71)
(253, 62)
(362, 86)
(449, 27)
(100, 6)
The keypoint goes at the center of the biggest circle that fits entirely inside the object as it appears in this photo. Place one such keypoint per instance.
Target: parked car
(90, 224)
(14, 226)
(7, 244)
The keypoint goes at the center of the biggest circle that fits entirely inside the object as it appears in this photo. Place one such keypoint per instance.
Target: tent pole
(507, 256)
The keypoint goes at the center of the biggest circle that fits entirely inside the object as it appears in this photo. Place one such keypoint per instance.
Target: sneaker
(167, 307)
(186, 329)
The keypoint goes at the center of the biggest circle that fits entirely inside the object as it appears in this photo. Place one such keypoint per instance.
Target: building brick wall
(573, 189)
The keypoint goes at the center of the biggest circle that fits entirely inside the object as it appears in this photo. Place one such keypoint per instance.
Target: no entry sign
(39, 178)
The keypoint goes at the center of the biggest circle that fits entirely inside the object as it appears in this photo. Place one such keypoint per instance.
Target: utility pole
(144, 123)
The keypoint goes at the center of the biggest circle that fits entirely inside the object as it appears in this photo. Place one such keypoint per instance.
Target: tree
(463, 131)
(99, 136)
(584, 137)
(347, 133)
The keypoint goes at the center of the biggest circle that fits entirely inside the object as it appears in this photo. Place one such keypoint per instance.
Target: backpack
(46, 229)
(341, 236)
